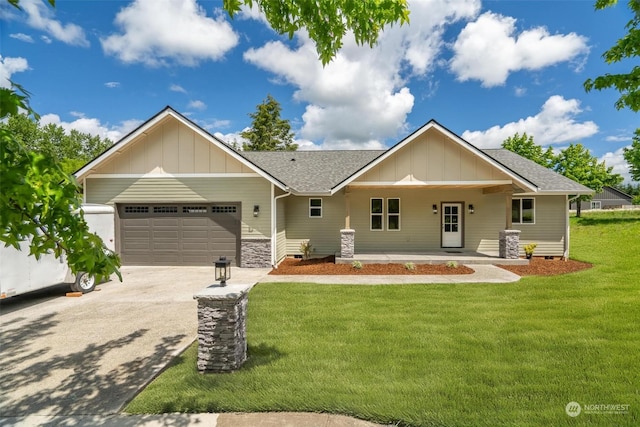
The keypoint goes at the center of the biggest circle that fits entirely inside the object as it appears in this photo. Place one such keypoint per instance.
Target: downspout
(274, 223)
(567, 228)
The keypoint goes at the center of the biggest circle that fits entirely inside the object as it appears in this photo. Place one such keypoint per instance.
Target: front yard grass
(431, 355)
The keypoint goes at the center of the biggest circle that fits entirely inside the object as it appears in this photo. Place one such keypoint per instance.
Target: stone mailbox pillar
(509, 244)
(222, 327)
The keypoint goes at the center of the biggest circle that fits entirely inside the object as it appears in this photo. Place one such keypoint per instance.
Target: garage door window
(165, 209)
(194, 209)
(223, 209)
(136, 209)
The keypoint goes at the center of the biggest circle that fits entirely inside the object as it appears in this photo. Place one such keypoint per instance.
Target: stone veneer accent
(347, 243)
(255, 253)
(509, 244)
(222, 328)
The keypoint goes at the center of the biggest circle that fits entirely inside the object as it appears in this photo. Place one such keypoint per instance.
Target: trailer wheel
(84, 283)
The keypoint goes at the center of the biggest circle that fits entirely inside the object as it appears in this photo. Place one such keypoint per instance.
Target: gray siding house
(608, 198)
(184, 197)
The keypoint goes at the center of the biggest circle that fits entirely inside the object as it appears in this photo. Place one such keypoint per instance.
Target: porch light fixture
(223, 270)
(435, 209)
(471, 209)
(256, 210)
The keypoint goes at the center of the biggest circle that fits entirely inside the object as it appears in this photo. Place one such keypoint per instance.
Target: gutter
(274, 223)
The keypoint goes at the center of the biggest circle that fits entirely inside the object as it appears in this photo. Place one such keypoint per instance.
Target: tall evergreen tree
(268, 131)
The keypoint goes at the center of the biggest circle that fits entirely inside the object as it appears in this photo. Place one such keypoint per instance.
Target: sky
(483, 69)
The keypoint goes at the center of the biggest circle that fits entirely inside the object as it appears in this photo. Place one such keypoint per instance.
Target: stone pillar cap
(217, 292)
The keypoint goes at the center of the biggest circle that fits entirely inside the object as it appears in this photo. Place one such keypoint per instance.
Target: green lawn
(440, 355)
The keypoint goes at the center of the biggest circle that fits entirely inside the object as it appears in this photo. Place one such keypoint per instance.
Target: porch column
(347, 243)
(347, 217)
(508, 211)
(509, 244)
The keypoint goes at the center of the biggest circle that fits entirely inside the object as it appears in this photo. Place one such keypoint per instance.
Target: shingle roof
(311, 171)
(545, 179)
(319, 171)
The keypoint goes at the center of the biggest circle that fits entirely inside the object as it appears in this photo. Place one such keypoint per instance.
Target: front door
(452, 225)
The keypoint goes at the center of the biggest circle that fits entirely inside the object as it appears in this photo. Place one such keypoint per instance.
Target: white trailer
(21, 273)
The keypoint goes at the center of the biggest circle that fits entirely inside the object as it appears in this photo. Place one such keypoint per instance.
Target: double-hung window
(523, 211)
(385, 213)
(315, 208)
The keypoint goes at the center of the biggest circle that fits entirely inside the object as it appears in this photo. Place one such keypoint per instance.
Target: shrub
(410, 266)
(305, 248)
(452, 264)
(357, 265)
(529, 248)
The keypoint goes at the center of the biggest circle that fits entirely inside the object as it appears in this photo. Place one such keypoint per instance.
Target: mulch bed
(538, 266)
(327, 266)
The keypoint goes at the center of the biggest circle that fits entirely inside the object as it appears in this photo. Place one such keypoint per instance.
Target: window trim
(311, 208)
(596, 204)
(533, 209)
(390, 214)
(380, 214)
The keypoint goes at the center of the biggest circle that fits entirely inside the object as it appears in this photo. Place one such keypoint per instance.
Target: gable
(171, 147)
(433, 158)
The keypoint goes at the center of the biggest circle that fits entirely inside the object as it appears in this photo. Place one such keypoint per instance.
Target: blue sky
(485, 70)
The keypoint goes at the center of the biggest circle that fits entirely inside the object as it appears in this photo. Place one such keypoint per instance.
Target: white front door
(452, 225)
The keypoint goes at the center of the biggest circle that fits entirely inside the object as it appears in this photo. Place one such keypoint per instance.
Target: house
(184, 197)
(608, 198)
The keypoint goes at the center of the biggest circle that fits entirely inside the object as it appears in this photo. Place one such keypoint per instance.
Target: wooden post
(508, 211)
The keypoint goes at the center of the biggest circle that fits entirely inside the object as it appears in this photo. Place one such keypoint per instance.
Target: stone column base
(255, 253)
(222, 328)
(509, 244)
(347, 243)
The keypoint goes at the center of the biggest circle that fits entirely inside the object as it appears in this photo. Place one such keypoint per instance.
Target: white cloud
(46, 39)
(40, 16)
(10, 66)
(555, 124)
(177, 88)
(196, 104)
(488, 49)
(620, 165)
(618, 138)
(180, 32)
(520, 91)
(22, 37)
(112, 85)
(360, 99)
(92, 126)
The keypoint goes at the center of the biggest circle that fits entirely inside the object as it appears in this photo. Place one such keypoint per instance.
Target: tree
(628, 84)
(71, 150)
(576, 163)
(524, 146)
(328, 21)
(632, 156)
(40, 203)
(268, 131)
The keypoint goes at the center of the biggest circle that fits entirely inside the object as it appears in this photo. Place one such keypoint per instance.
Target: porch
(436, 257)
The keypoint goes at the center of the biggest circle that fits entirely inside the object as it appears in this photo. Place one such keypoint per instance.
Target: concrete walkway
(481, 274)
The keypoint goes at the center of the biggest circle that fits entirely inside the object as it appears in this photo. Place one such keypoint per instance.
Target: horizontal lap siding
(248, 191)
(549, 229)
(281, 232)
(323, 233)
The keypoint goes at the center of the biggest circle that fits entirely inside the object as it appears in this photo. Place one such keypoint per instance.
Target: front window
(596, 204)
(315, 208)
(376, 214)
(393, 214)
(523, 211)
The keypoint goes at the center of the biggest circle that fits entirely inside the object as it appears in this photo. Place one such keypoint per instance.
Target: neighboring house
(608, 198)
(184, 197)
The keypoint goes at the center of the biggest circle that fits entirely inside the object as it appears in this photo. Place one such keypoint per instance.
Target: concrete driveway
(89, 355)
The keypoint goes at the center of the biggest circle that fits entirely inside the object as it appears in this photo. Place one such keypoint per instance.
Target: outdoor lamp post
(223, 270)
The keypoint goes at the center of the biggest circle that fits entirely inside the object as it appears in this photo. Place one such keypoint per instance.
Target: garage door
(178, 234)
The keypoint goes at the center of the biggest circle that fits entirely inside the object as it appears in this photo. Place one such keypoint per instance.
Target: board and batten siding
(432, 158)
(323, 233)
(173, 148)
(247, 190)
